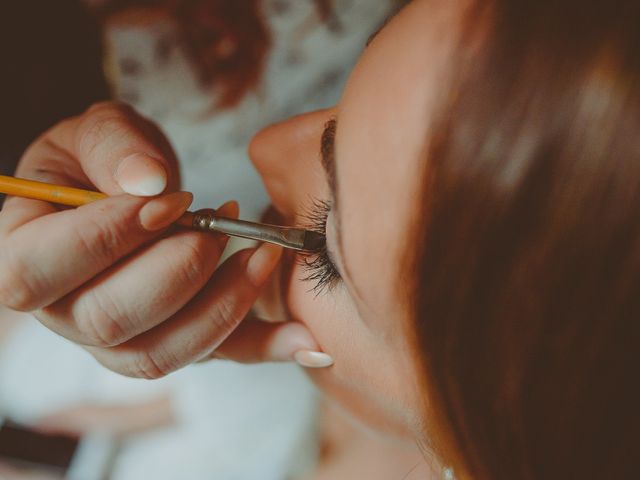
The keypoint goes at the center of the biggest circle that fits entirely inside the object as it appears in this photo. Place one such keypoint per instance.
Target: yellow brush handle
(74, 197)
(204, 220)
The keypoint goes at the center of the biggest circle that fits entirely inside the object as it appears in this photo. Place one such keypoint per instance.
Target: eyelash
(319, 268)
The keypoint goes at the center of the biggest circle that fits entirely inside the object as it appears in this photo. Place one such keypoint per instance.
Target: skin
(363, 322)
(89, 281)
(143, 299)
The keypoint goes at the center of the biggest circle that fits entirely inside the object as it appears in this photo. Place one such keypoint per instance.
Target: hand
(110, 275)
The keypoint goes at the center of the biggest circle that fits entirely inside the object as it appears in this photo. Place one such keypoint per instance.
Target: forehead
(383, 130)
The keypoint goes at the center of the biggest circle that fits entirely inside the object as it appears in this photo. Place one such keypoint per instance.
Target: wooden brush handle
(73, 197)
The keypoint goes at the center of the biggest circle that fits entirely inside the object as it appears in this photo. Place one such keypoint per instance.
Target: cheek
(369, 378)
(330, 318)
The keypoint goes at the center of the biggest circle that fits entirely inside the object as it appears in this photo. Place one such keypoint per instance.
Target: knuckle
(100, 240)
(192, 268)
(152, 365)
(226, 314)
(108, 360)
(17, 289)
(100, 323)
(17, 296)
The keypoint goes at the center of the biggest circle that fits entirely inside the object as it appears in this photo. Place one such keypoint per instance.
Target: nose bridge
(287, 157)
(274, 145)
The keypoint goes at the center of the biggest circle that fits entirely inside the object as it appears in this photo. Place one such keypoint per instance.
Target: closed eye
(319, 267)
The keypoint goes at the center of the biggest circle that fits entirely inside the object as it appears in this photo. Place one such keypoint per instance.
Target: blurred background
(210, 73)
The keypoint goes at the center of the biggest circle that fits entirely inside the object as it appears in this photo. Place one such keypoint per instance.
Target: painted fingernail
(290, 338)
(262, 263)
(309, 359)
(141, 175)
(163, 211)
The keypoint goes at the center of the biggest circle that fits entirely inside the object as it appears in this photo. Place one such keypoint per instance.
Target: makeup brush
(204, 220)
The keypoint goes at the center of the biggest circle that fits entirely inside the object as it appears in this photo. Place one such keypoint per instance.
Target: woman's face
(370, 175)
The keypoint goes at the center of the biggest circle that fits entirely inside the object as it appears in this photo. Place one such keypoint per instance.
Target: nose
(287, 156)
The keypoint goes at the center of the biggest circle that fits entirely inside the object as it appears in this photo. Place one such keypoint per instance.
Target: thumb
(118, 151)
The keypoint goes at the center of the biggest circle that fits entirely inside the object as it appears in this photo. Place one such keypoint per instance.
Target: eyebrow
(328, 156)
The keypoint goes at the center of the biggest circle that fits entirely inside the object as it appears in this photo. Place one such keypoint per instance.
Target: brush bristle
(313, 241)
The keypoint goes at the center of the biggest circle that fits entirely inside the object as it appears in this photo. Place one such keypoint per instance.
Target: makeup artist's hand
(110, 275)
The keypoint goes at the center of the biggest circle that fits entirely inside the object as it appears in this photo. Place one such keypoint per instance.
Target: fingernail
(230, 209)
(289, 339)
(163, 211)
(309, 359)
(262, 263)
(141, 175)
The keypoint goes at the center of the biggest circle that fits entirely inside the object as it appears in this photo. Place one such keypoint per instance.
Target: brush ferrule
(292, 238)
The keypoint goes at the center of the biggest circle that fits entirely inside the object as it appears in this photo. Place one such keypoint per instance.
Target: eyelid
(318, 265)
(332, 252)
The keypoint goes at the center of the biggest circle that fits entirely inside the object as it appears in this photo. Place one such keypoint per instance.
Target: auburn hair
(528, 289)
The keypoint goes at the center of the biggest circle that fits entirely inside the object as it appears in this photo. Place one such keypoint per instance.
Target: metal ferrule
(292, 238)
